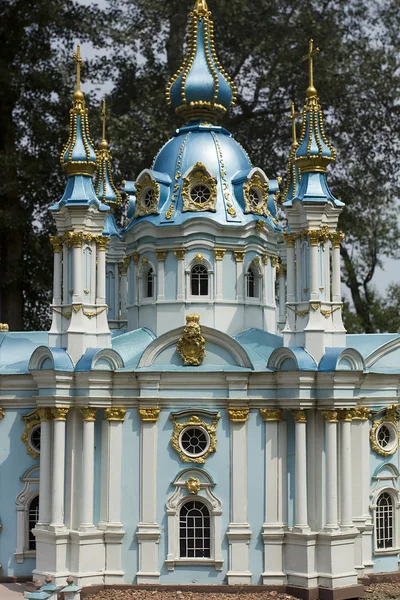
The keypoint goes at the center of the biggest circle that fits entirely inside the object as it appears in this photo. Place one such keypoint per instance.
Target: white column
(161, 256)
(65, 274)
(148, 533)
(268, 294)
(314, 272)
(110, 500)
(282, 295)
(87, 484)
(275, 496)
(219, 254)
(291, 270)
(331, 421)
(239, 533)
(336, 283)
(45, 468)
(56, 242)
(327, 282)
(123, 289)
(77, 267)
(180, 257)
(301, 508)
(58, 474)
(346, 520)
(102, 243)
(93, 269)
(239, 258)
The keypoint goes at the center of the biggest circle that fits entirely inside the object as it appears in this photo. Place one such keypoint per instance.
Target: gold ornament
(239, 255)
(2, 414)
(161, 255)
(199, 257)
(290, 239)
(102, 242)
(169, 212)
(135, 258)
(56, 241)
(260, 189)
(360, 413)
(31, 420)
(391, 418)
(299, 416)
(219, 253)
(59, 414)
(4, 327)
(271, 414)
(265, 259)
(180, 254)
(337, 238)
(238, 415)
(260, 225)
(195, 422)
(114, 414)
(148, 196)
(346, 414)
(199, 175)
(44, 414)
(88, 414)
(123, 267)
(330, 416)
(149, 415)
(193, 485)
(191, 346)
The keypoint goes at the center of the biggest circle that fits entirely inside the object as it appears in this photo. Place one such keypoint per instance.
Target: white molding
(380, 352)
(22, 502)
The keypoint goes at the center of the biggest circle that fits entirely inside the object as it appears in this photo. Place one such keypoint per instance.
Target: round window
(200, 193)
(255, 196)
(148, 197)
(34, 438)
(386, 436)
(194, 441)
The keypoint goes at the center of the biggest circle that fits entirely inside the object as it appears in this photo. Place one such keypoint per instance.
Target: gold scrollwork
(391, 421)
(193, 485)
(199, 176)
(191, 346)
(238, 415)
(271, 414)
(360, 413)
(346, 414)
(180, 254)
(148, 196)
(2, 414)
(169, 212)
(4, 327)
(219, 253)
(88, 413)
(194, 421)
(102, 242)
(149, 415)
(57, 242)
(299, 416)
(330, 416)
(255, 193)
(161, 255)
(260, 225)
(114, 414)
(59, 413)
(31, 420)
(239, 255)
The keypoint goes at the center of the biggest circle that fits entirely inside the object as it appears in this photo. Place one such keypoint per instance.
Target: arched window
(149, 284)
(199, 280)
(384, 522)
(252, 287)
(33, 518)
(194, 530)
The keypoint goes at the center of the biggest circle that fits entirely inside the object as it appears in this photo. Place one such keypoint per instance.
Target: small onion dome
(293, 175)
(78, 156)
(201, 89)
(104, 185)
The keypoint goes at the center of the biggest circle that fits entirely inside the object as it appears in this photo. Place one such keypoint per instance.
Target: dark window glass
(194, 530)
(384, 521)
(149, 284)
(199, 281)
(33, 518)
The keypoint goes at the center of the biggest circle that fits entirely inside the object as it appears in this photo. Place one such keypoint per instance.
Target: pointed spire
(314, 152)
(105, 187)
(293, 175)
(201, 89)
(78, 156)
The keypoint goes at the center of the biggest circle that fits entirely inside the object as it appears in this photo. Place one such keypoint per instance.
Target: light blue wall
(171, 282)
(229, 276)
(14, 461)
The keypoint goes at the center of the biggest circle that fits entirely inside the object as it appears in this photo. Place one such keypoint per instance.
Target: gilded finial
(311, 91)
(292, 117)
(103, 143)
(79, 63)
(201, 7)
(104, 184)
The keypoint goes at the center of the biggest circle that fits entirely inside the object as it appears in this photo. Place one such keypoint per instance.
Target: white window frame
(385, 480)
(199, 299)
(174, 504)
(143, 273)
(258, 281)
(31, 489)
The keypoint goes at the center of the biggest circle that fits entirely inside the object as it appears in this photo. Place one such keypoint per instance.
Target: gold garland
(195, 422)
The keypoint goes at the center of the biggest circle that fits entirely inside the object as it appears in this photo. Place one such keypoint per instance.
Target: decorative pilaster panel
(301, 505)
(56, 242)
(161, 256)
(331, 421)
(87, 486)
(239, 258)
(110, 501)
(45, 417)
(59, 416)
(275, 496)
(239, 533)
(102, 243)
(123, 288)
(282, 297)
(180, 257)
(219, 254)
(148, 532)
(346, 520)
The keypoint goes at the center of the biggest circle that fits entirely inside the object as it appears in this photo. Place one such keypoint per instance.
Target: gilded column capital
(314, 236)
(161, 255)
(299, 416)
(44, 413)
(2, 414)
(290, 239)
(180, 254)
(346, 414)
(88, 413)
(239, 255)
(219, 253)
(274, 261)
(149, 415)
(238, 415)
(337, 238)
(282, 270)
(265, 259)
(135, 258)
(145, 261)
(123, 267)
(360, 413)
(271, 414)
(330, 416)
(57, 242)
(102, 242)
(59, 414)
(115, 414)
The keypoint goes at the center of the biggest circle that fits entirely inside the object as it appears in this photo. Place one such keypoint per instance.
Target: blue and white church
(197, 412)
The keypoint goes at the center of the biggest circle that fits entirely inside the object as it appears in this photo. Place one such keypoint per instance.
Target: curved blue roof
(16, 349)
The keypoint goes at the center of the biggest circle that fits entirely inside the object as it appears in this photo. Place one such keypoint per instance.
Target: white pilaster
(148, 532)
(180, 260)
(282, 297)
(101, 271)
(93, 269)
(58, 474)
(239, 533)
(45, 468)
(275, 496)
(239, 258)
(314, 276)
(301, 508)
(336, 282)
(77, 270)
(123, 289)
(291, 272)
(331, 421)
(110, 501)
(161, 256)
(87, 484)
(219, 254)
(65, 273)
(346, 520)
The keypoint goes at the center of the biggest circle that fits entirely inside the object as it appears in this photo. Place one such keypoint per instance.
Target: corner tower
(204, 228)
(314, 301)
(79, 295)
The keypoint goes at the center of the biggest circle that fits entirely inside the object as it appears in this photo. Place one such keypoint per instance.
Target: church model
(176, 425)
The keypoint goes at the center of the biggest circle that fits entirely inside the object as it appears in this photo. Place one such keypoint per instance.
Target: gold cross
(293, 116)
(310, 56)
(103, 116)
(79, 64)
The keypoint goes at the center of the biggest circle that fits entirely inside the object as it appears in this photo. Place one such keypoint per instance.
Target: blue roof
(130, 346)
(367, 343)
(16, 349)
(259, 345)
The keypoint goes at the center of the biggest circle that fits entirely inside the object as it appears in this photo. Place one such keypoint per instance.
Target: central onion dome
(201, 88)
